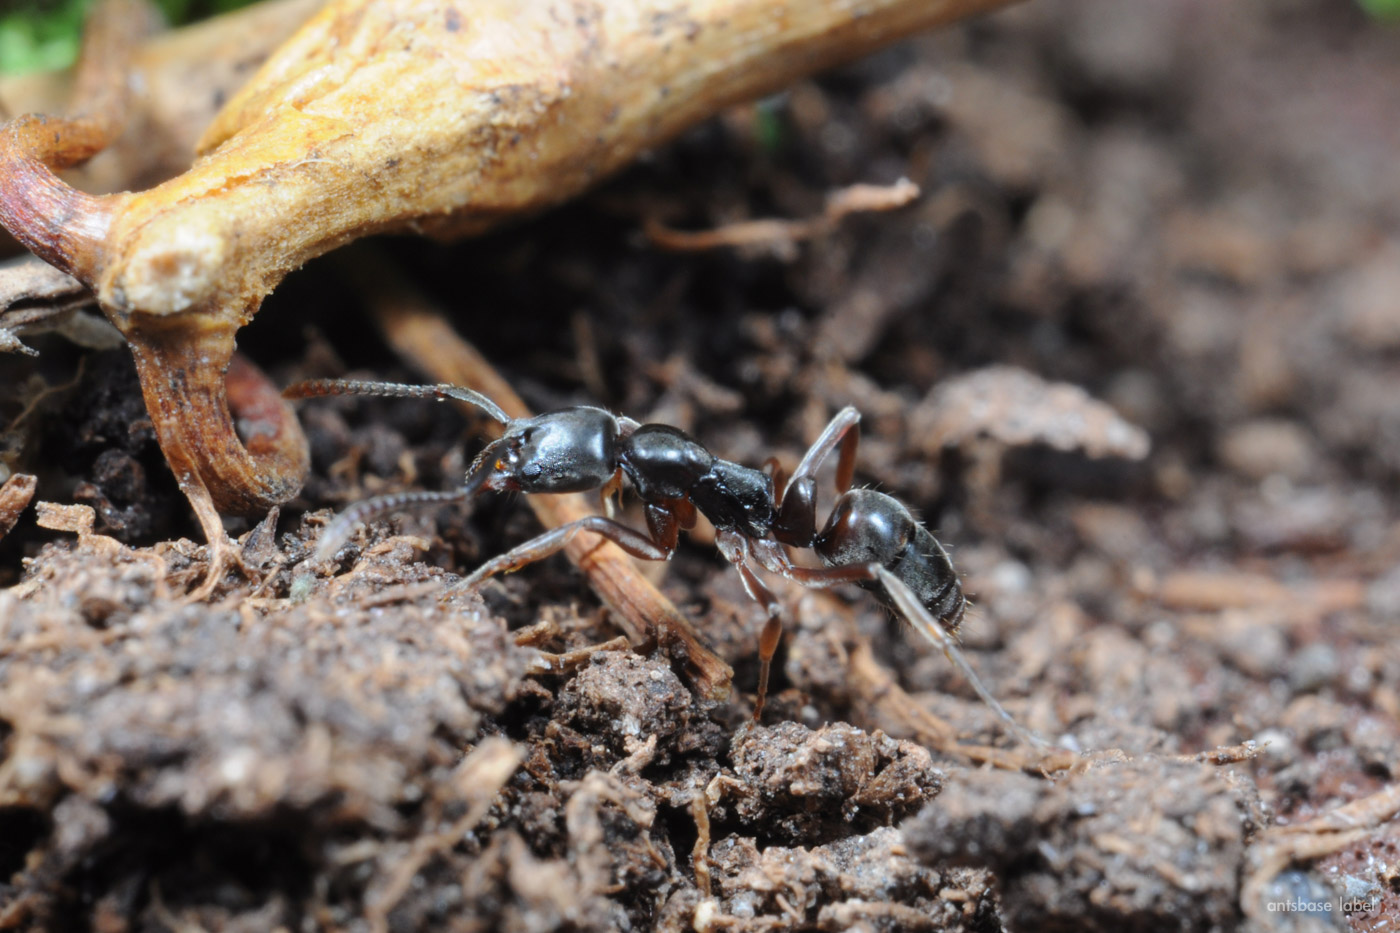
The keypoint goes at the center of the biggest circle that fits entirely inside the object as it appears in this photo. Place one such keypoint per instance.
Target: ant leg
(735, 548)
(610, 493)
(555, 540)
(340, 529)
(797, 511)
(775, 470)
(916, 615)
(768, 638)
(685, 512)
(774, 559)
(664, 525)
(843, 429)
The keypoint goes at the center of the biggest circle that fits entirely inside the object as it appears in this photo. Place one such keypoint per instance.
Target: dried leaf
(34, 296)
(78, 519)
(1016, 407)
(30, 279)
(14, 499)
(9, 343)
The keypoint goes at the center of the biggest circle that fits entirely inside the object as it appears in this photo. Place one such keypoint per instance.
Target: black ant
(870, 539)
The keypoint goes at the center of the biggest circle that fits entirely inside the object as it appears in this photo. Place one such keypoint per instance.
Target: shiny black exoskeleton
(870, 538)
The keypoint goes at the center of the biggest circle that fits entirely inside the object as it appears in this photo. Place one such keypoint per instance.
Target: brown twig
(569, 661)
(418, 332)
(1214, 591)
(782, 235)
(700, 852)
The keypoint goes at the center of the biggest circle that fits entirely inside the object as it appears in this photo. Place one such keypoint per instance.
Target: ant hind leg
(771, 556)
(913, 612)
(796, 500)
(843, 430)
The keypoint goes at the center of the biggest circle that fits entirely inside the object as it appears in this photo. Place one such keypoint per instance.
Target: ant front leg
(796, 503)
(555, 540)
(735, 548)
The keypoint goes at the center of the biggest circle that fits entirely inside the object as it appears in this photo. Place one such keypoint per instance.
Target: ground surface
(1187, 208)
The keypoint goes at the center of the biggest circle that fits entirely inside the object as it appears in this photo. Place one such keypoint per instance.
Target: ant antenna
(317, 388)
(340, 529)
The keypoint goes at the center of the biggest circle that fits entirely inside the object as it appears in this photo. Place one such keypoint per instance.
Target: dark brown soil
(1187, 208)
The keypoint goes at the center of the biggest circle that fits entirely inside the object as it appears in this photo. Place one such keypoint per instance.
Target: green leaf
(1381, 9)
(41, 34)
(39, 37)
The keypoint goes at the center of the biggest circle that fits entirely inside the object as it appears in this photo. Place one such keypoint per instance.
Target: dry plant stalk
(782, 236)
(440, 116)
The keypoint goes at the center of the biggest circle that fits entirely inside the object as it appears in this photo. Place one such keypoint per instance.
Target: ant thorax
(664, 463)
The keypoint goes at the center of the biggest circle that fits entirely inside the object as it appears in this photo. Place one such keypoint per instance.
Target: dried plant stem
(419, 333)
(781, 236)
(194, 387)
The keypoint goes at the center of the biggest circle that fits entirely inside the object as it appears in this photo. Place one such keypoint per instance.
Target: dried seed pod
(441, 116)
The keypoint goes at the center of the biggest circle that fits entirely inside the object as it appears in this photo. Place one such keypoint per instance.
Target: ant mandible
(870, 539)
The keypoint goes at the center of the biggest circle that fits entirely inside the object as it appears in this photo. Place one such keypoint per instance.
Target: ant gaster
(870, 539)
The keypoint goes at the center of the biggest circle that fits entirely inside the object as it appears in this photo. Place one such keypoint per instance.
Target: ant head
(571, 450)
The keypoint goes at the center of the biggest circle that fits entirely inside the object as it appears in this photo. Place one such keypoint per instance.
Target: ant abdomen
(869, 527)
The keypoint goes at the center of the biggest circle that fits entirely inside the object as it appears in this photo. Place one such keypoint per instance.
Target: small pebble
(1313, 667)
(1268, 447)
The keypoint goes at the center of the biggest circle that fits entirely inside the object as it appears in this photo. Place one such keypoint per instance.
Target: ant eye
(509, 458)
